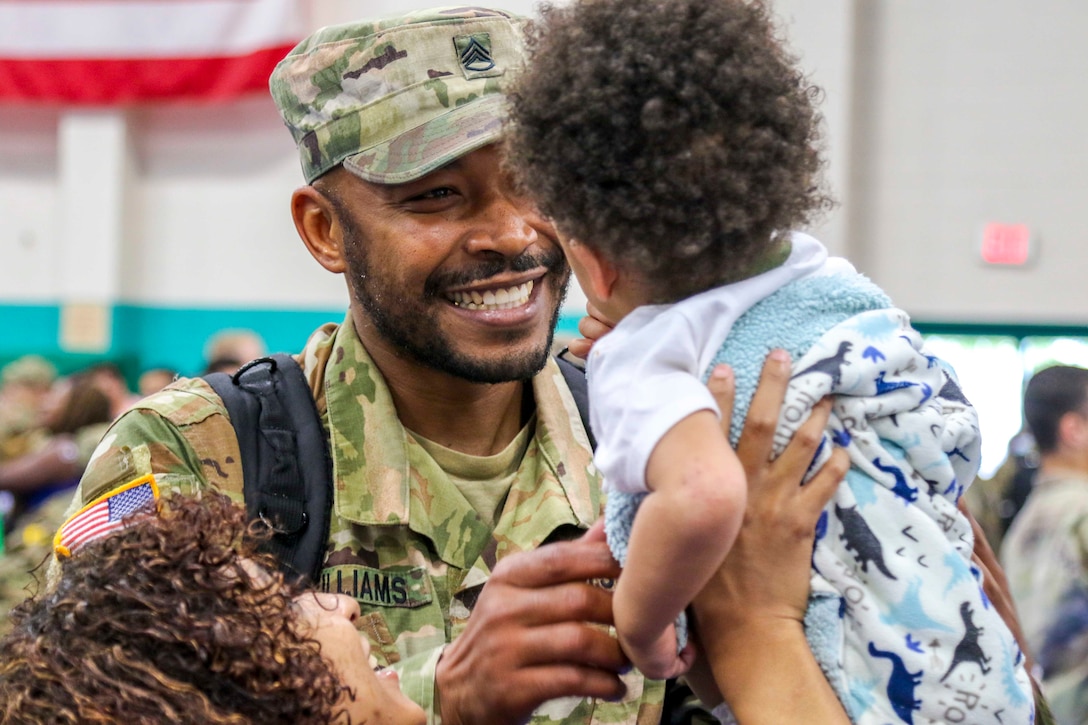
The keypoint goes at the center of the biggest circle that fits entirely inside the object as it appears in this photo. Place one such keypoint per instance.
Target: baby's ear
(593, 269)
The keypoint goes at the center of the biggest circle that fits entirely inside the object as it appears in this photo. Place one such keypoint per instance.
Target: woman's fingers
(783, 475)
(821, 487)
(723, 386)
(757, 437)
(807, 440)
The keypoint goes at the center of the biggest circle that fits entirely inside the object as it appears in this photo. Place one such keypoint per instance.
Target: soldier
(24, 384)
(456, 446)
(1046, 548)
(228, 350)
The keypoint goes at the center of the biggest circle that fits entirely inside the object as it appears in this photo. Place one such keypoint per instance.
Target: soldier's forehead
(340, 176)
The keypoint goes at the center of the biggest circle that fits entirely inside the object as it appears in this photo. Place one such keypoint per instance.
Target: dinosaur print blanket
(920, 641)
(898, 617)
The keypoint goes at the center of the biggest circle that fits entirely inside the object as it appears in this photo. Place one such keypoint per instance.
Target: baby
(675, 145)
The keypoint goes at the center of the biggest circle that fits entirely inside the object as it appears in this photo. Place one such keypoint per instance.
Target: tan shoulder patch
(111, 466)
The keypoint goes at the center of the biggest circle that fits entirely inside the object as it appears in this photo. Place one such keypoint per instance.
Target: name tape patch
(395, 586)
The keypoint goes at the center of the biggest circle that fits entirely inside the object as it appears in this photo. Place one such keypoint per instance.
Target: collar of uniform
(366, 441)
(564, 444)
(1055, 476)
(369, 446)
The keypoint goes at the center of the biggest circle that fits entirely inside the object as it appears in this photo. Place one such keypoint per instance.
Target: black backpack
(286, 467)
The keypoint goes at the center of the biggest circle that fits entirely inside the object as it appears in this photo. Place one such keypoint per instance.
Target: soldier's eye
(442, 192)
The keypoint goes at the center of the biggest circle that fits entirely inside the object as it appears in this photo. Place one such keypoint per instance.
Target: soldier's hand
(533, 637)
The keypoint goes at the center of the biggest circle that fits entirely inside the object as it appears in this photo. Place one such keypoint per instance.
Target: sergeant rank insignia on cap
(110, 512)
(474, 52)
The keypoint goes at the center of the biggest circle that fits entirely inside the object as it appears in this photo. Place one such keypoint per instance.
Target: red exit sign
(1006, 244)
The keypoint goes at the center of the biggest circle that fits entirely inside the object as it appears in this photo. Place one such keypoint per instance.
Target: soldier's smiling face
(454, 270)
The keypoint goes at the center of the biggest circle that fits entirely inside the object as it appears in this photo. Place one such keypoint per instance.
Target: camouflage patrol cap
(395, 99)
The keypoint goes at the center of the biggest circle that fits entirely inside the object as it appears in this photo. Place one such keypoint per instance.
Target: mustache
(552, 260)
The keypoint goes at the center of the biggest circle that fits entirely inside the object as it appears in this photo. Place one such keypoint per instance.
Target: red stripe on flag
(104, 527)
(90, 518)
(86, 525)
(111, 82)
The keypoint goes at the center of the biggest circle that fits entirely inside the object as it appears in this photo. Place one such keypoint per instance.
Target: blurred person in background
(1045, 552)
(228, 350)
(995, 501)
(110, 380)
(24, 384)
(73, 417)
(153, 380)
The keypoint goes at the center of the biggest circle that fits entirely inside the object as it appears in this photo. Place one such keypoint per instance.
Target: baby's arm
(680, 536)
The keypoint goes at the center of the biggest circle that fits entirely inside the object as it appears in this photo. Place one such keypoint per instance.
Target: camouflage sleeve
(86, 440)
(417, 681)
(1043, 715)
(141, 442)
(182, 435)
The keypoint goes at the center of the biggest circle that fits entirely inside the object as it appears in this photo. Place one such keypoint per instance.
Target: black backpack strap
(287, 472)
(576, 381)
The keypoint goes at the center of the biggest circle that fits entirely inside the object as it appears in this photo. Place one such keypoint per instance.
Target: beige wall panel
(970, 112)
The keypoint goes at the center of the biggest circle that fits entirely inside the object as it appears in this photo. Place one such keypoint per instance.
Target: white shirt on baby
(646, 375)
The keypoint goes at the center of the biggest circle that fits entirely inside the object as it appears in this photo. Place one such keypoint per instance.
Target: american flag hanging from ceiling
(113, 52)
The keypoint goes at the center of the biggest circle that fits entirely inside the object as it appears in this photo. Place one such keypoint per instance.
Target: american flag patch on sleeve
(107, 513)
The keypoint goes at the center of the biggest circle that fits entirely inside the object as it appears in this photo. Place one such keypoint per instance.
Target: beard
(412, 324)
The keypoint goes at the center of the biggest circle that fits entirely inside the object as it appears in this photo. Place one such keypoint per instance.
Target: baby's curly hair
(673, 136)
(164, 622)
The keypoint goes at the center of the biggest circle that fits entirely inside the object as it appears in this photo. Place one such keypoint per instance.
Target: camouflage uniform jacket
(403, 540)
(1045, 554)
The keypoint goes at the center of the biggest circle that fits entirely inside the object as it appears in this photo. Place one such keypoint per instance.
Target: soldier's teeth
(501, 299)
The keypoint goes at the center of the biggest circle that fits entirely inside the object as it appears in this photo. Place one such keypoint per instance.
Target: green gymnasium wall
(144, 337)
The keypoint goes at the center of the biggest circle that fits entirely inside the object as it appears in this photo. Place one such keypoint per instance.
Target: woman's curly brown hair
(163, 622)
(673, 136)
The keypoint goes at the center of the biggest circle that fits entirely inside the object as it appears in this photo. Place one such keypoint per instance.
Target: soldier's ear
(319, 227)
